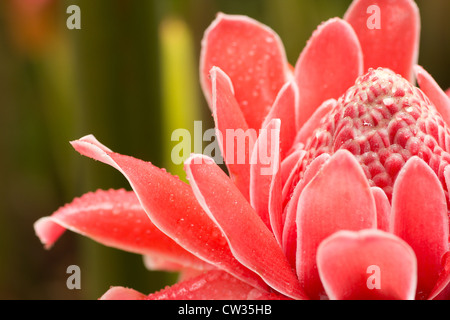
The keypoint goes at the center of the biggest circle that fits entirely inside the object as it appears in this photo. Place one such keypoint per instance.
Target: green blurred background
(129, 77)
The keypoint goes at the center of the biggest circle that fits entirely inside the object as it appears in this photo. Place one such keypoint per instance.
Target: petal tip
(48, 231)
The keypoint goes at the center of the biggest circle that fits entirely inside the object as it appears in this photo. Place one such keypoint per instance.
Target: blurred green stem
(179, 88)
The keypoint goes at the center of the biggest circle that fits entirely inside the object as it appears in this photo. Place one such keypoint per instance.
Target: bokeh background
(130, 77)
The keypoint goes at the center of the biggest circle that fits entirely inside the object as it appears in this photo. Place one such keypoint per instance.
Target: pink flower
(355, 205)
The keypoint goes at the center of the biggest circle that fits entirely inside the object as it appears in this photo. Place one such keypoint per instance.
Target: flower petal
(213, 285)
(235, 140)
(155, 263)
(338, 197)
(250, 240)
(441, 290)
(172, 207)
(253, 56)
(115, 218)
(288, 164)
(121, 293)
(313, 122)
(437, 96)
(264, 176)
(329, 65)
(389, 33)
(289, 240)
(419, 216)
(367, 265)
(383, 208)
(285, 106)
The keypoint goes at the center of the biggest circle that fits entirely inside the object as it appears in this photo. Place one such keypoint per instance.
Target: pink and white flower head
(358, 189)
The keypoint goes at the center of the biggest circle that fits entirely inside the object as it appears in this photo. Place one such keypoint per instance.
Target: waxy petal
(383, 208)
(250, 240)
(213, 285)
(265, 183)
(288, 164)
(419, 216)
(286, 105)
(441, 290)
(337, 198)
(314, 121)
(115, 218)
(253, 56)
(367, 265)
(389, 33)
(121, 293)
(235, 140)
(437, 96)
(172, 207)
(289, 240)
(329, 65)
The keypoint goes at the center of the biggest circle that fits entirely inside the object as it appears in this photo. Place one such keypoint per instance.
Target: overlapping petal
(419, 216)
(289, 240)
(172, 207)
(250, 240)
(437, 96)
(388, 32)
(288, 164)
(235, 139)
(265, 180)
(329, 65)
(367, 265)
(441, 290)
(254, 58)
(285, 108)
(337, 198)
(115, 218)
(213, 285)
(313, 122)
(383, 208)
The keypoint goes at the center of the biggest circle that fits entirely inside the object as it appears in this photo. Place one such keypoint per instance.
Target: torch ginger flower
(358, 179)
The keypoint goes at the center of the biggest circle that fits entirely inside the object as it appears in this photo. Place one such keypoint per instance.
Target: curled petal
(286, 105)
(389, 33)
(115, 218)
(441, 290)
(329, 65)
(367, 265)
(288, 164)
(213, 285)
(121, 293)
(235, 139)
(437, 96)
(290, 224)
(250, 240)
(383, 208)
(265, 177)
(313, 122)
(253, 56)
(419, 216)
(337, 198)
(172, 207)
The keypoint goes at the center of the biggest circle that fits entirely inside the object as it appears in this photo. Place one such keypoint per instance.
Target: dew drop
(388, 101)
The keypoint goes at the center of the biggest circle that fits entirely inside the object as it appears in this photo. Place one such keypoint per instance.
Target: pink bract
(357, 185)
